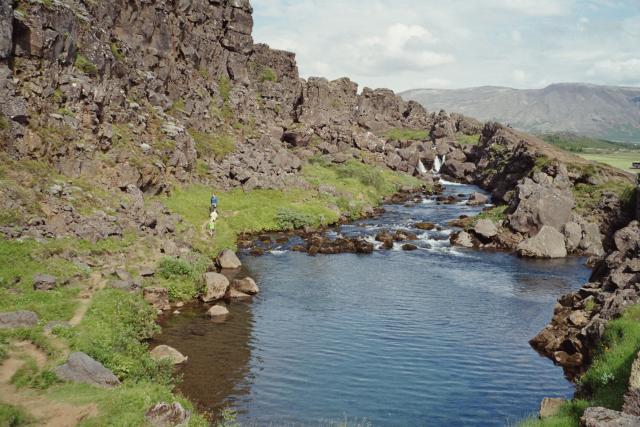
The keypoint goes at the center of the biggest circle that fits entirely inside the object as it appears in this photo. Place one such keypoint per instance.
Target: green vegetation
(402, 134)
(116, 52)
(86, 66)
(29, 375)
(182, 279)
(605, 383)
(589, 196)
(12, 416)
(4, 123)
(356, 186)
(495, 214)
(217, 146)
(461, 138)
(177, 107)
(268, 75)
(583, 144)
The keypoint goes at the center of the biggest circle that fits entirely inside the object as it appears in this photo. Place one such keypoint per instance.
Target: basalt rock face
(579, 317)
(137, 96)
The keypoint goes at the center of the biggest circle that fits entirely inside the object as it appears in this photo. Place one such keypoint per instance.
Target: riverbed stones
(386, 239)
(228, 260)
(167, 415)
(485, 229)
(81, 368)
(548, 243)
(158, 297)
(409, 247)
(603, 417)
(44, 282)
(427, 226)
(246, 285)
(215, 287)
(217, 311)
(550, 406)
(18, 319)
(163, 352)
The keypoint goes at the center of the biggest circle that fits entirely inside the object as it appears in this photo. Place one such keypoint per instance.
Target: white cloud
(621, 70)
(534, 7)
(516, 36)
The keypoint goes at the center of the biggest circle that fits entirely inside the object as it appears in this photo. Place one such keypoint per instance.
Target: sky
(405, 44)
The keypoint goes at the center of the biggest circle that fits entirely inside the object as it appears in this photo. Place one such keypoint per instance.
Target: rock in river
(218, 311)
(246, 285)
(80, 368)
(548, 243)
(215, 286)
(228, 260)
(485, 229)
(165, 352)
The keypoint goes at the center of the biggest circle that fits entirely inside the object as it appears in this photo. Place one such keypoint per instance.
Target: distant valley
(607, 112)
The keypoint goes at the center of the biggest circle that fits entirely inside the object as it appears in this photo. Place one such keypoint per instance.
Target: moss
(210, 145)
(268, 75)
(403, 134)
(4, 123)
(177, 107)
(116, 51)
(463, 139)
(85, 65)
(224, 86)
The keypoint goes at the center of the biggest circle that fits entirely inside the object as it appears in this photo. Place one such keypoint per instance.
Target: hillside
(598, 111)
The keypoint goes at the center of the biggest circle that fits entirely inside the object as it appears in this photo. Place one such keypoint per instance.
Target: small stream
(434, 337)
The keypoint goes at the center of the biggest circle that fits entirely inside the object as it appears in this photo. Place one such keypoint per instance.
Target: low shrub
(12, 416)
(291, 219)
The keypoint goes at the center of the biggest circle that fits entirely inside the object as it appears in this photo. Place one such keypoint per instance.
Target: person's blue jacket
(214, 200)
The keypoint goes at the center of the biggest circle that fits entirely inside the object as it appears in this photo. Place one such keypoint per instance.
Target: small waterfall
(438, 163)
(421, 169)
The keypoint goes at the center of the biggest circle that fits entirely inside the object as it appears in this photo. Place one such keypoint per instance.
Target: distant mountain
(608, 112)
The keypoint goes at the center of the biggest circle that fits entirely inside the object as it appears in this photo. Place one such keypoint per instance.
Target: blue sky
(406, 44)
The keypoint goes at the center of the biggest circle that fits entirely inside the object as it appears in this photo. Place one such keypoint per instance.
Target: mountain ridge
(608, 112)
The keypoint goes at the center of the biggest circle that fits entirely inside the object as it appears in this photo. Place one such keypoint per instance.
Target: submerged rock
(165, 352)
(218, 310)
(548, 243)
(80, 368)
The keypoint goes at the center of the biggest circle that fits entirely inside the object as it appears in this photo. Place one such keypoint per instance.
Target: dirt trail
(47, 412)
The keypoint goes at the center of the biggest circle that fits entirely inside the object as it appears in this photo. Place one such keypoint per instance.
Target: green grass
(210, 145)
(357, 186)
(589, 196)
(403, 134)
(13, 416)
(461, 138)
(85, 65)
(182, 279)
(268, 75)
(605, 383)
(583, 144)
(113, 332)
(495, 214)
(121, 406)
(620, 160)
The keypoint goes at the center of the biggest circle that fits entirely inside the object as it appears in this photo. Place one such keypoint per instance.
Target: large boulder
(548, 243)
(602, 417)
(462, 239)
(485, 229)
(80, 368)
(246, 285)
(573, 235)
(215, 287)
(228, 260)
(541, 201)
(550, 406)
(591, 243)
(167, 415)
(18, 319)
(157, 297)
(477, 199)
(627, 240)
(165, 352)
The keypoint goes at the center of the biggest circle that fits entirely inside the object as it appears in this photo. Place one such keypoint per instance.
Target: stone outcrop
(602, 417)
(80, 368)
(580, 317)
(167, 415)
(228, 260)
(215, 287)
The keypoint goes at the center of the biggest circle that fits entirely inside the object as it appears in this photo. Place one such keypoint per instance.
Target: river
(434, 337)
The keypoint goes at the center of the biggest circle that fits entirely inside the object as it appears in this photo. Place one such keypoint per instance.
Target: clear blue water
(435, 337)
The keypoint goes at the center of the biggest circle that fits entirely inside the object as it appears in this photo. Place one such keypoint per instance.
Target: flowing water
(434, 337)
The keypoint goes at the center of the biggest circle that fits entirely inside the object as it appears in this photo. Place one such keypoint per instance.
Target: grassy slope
(605, 383)
(621, 160)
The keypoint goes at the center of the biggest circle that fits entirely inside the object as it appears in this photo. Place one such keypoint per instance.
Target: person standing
(213, 217)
